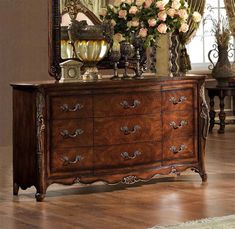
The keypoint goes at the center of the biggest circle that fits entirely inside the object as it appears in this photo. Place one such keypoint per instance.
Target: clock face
(72, 73)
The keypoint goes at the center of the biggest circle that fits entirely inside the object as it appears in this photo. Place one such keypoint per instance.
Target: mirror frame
(54, 34)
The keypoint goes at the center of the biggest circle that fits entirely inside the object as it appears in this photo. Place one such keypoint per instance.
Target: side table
(221, 92)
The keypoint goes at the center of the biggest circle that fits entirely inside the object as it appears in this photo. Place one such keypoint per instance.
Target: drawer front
(67, 107)
(180, 148)
(127, 104)
(178, 99)
(178, 124)
(72, 133)
(127, 155)
(67, 160)
(109, 131)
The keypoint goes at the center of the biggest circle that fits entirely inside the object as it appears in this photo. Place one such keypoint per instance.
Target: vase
(222, 71)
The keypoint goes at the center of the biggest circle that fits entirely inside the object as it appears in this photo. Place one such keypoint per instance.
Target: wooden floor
(160, 201)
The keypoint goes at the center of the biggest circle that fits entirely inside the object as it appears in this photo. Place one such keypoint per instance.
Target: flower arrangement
(148, 18)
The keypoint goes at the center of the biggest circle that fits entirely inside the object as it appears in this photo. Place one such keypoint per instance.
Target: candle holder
(138, 43)
(127, 51)
(115, 56)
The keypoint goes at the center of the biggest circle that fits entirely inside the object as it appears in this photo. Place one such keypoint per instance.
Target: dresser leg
(222, 115)
(15, 189)
(212, 113)
(204, 177)
(40, 196)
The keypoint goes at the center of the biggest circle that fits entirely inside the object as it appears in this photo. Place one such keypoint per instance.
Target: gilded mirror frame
(54, 36)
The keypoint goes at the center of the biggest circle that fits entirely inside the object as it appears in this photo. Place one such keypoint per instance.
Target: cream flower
(162, 15)
(162, 28)
(183, 14)
(139, 2)
(171, 12)
(103, 12)
(184, 28)
(148, 3)
(160, 5)
(176, 4)
(118, 37)
(135, 23)
(113, 22)
(197, 17)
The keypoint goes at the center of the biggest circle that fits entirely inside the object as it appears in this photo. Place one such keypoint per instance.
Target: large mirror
(61, 12)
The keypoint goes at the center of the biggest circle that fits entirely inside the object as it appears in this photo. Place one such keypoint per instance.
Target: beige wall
(23, 52)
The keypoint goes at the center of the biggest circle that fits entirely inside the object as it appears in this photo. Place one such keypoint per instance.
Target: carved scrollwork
(204, 112)
(130, 180)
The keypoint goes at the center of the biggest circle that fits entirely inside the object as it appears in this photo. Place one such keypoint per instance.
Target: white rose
(113, 22)
(118, 37)
(171, 12)
(184, 28)
(197, 17)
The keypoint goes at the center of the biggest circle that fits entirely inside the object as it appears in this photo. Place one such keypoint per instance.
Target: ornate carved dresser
(112, 131)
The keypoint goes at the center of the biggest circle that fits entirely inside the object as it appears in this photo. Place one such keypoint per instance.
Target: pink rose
(122, 14)
(152, 22)
(139, 2)
(148, 3)
(184, 28)
(162, 28)
(171, 12)
(143, 32)
(162, 15)
(160, 5)
(133, 10)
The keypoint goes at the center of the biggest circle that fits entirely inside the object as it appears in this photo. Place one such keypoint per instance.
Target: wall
(23, 52)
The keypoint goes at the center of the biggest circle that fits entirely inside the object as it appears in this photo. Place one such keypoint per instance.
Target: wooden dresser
(112, 131)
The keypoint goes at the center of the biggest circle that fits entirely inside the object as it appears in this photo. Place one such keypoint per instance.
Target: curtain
(184, 38)
(230, 8)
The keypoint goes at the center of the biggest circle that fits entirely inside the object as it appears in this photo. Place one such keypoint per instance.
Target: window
(202, 43)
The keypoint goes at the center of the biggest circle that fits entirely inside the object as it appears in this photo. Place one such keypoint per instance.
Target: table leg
(222, 115)
(212, 113)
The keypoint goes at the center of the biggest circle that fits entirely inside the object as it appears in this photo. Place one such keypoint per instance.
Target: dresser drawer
(68, 107)
(127, 155)
(109, 131)
(66, 160)
(127, 104)
(72, 133)
(178, 124)
(180, 148)
(178, 99)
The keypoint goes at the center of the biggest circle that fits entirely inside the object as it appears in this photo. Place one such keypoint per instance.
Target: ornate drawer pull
(126, 155)
(174, 150)
(126, 105)
(66, 134)
(181, 124)
(68, 162)
(177, 101)
(126, 130)
(65, 108)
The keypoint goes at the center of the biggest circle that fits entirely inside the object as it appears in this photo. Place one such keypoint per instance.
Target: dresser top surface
(105, 82)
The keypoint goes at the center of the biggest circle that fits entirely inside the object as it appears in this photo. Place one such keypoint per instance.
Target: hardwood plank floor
(165, 200)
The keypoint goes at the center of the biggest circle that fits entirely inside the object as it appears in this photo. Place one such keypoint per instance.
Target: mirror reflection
(79, 10)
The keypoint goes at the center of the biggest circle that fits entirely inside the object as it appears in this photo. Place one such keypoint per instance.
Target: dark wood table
(221, 92)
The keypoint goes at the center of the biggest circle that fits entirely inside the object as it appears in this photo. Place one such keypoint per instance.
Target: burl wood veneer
(112, 131)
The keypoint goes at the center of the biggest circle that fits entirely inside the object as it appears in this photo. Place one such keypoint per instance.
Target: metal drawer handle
(181, 124)
(126, 105)
(67, 162)
(65, 108)
(126, 155)
(126, 130)
(66, 134)
(176, 101)
(174, 149)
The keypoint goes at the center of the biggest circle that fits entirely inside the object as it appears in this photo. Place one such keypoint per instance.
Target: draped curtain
(184, 38)
(230, 8)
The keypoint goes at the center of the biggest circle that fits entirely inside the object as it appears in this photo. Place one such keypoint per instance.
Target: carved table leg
(222, 115)
(15, 189)
(212, 113)
(40, 196)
